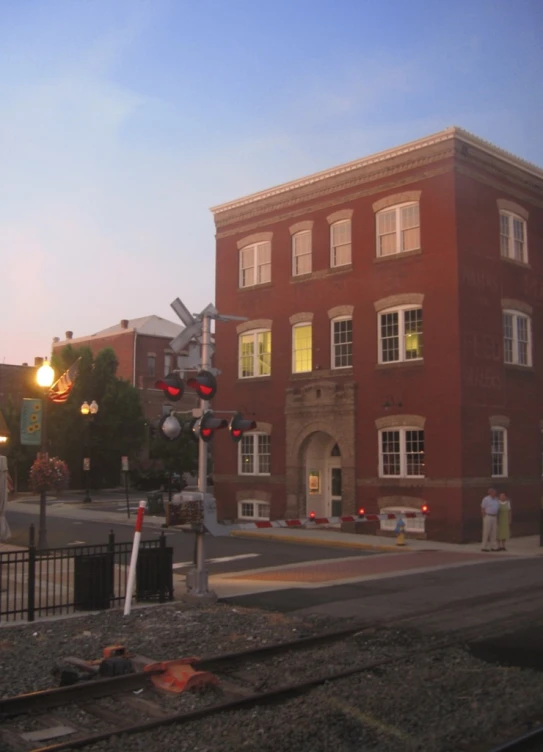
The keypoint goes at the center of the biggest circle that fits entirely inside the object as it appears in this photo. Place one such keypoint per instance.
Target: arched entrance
(321, 463)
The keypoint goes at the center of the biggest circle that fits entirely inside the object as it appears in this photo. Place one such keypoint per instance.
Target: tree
(117, 430)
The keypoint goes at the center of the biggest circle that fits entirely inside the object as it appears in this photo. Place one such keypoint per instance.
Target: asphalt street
(234, 554)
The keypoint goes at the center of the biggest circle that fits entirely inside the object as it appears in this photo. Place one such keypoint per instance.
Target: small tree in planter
(48, 475)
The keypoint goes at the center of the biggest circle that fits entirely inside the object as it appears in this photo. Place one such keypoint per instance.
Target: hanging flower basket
(48, 475)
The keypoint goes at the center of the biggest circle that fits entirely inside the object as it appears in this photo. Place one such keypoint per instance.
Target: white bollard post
(134, 558)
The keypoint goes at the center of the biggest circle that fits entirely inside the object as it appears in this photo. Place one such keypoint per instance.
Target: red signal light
(312, 515)
(205, 384)
(361, 512)
(172, 386)
(424, 509)
(239, 425)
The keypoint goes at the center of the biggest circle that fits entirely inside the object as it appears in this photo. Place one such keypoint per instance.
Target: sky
(122, 122)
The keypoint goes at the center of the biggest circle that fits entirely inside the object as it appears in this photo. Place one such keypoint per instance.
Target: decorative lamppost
(45, 378)
(88, 411)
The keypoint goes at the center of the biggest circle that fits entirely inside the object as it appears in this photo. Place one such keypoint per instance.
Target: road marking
(219, 560)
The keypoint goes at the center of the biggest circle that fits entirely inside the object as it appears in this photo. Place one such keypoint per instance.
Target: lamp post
(45, 378)
(88, 411)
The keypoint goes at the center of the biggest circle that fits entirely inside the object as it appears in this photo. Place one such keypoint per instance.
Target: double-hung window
(342, 342)
(301, 253)
(398, 229)
(400, 334)
(302, 347)
(254, 454)
(517, 338)
(401, 453)
(498, 450)
(167, 363)
(253, 510)
(340, 243)
(255, 264)
(513, 237)
(255, 353)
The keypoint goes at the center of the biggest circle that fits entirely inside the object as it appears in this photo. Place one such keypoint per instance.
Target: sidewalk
(526, 546)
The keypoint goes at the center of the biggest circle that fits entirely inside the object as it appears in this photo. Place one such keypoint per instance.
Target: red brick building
(142, 347)
(393, 348)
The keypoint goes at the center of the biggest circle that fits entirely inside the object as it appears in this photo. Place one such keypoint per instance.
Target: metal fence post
(111, 551)
(31, 593)
(162, 569)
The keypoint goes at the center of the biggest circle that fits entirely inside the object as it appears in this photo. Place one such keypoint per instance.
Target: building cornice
(406, 150)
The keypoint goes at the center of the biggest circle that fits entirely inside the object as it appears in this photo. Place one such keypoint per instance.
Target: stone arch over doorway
(318, 417)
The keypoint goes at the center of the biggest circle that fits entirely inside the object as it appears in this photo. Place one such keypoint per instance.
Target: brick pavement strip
(330, 570)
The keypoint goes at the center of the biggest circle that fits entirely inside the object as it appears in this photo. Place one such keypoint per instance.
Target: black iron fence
(35, 583)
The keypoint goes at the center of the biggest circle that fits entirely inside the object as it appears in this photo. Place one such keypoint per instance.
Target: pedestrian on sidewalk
(490, 507)
(504, 521)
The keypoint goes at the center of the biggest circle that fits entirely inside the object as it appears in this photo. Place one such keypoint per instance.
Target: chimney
(25, 364)
(55, 340)
(69, 335)
(124, 323)
(38, 362)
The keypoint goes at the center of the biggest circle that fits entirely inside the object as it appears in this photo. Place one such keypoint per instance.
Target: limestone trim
(256, 495)
(307, 224)
(414, 502)
(288, 209)
(511, 206)
(517, 305)
(400, 421)
(247, 326)
(301, 318)
(397, 198)
(257, 237)
(340, 310)
(453, 134)
(397, 256)
(262, 427)
(499, 421)
(394, 301)
(337, 216)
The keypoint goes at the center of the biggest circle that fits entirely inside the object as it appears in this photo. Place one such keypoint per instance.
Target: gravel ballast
(440, 700)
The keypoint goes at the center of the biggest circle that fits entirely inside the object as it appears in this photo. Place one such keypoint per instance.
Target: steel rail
(91, 689)
(279, 694)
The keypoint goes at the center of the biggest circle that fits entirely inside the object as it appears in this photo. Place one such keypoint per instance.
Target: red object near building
(392, 355)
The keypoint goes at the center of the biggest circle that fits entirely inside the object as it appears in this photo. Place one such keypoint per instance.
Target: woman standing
(504, 522)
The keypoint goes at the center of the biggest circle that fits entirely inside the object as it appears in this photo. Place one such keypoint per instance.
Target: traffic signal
(172, 386)
(205, 427)
(205, 384)
(238, 426)
(169, 427)
(424, 509)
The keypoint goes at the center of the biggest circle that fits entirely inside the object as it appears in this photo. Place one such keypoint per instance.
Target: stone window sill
(400, 364)
(321, 274)
(515, 262)
(396, 256)
(519, 368)
(251, 288)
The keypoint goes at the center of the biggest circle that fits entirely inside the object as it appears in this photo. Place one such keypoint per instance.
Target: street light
(45, 378)
(88, 411)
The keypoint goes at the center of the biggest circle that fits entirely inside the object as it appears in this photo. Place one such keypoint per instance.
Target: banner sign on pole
(31, 421)
(124, 464)
(86, 464)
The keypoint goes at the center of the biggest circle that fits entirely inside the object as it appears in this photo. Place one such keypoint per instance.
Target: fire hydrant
(400, 532)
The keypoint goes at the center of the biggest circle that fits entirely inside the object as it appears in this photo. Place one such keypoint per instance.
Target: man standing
(489, 511)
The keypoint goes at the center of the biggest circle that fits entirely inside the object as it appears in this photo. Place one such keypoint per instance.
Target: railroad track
(35, 708)
(28, 720)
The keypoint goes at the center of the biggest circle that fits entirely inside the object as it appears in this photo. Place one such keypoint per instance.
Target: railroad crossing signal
(205, 427)
(172, 386)
(205, 384)
(238, 426)
(170, 427)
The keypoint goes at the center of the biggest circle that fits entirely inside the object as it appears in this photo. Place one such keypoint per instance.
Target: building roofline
(449, 133)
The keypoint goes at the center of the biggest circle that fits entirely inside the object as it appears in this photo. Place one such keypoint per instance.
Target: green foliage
(118, 429)
(179, 456)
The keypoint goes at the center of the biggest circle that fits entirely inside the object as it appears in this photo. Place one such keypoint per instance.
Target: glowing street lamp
(45, 378)
(88, 411)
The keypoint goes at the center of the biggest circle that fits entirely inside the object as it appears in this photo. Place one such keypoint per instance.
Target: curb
(321, 542)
